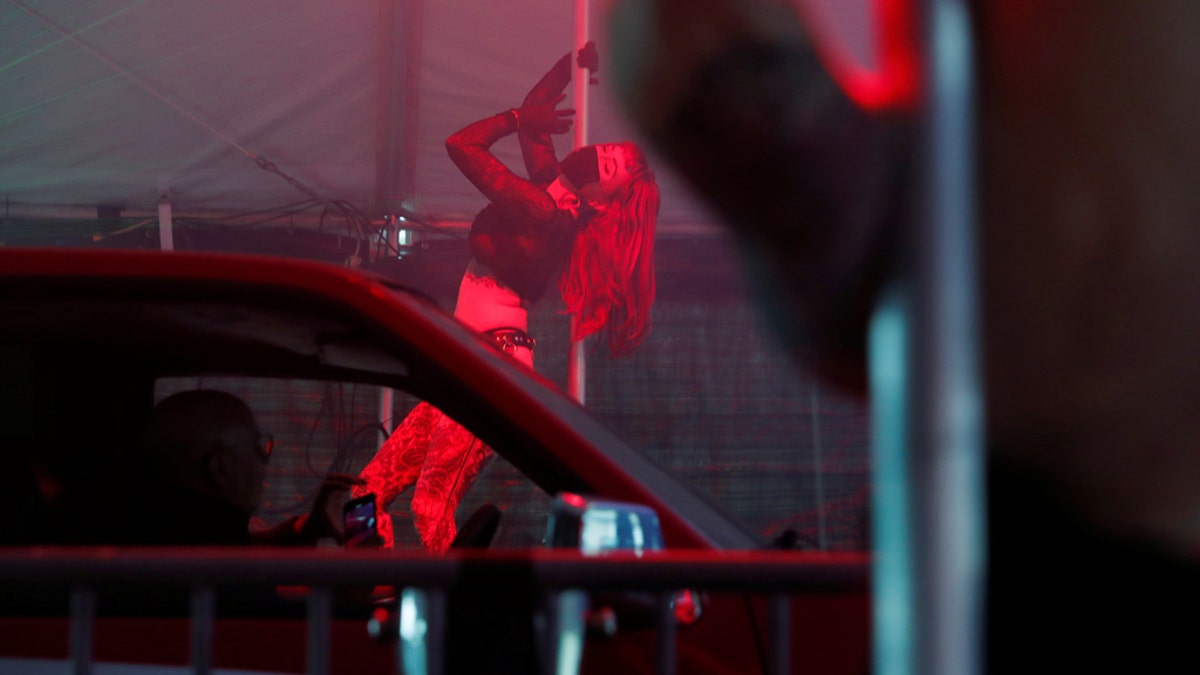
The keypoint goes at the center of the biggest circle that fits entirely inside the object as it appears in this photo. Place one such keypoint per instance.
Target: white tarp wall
(114, 102)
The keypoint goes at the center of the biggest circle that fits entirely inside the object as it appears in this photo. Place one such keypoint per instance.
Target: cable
(286, 209)
(756, 631)
(123, 230)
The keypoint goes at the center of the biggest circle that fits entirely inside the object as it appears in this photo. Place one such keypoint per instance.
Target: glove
(545, 118)
(589, 58)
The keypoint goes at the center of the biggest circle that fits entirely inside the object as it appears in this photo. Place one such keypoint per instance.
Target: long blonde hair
(609, 285)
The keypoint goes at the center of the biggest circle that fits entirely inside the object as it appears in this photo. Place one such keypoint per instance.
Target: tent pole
(387, 400)
(396, 98)
(166, 230)
(577, 358)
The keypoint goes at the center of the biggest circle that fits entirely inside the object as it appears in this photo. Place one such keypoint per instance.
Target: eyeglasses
(266, 443)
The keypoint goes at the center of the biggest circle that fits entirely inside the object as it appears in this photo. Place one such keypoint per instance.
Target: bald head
(207, 441)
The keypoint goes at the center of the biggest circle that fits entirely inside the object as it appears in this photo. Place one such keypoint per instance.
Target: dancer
(587, 224)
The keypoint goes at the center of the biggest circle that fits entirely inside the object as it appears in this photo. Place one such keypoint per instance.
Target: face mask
(581, 167)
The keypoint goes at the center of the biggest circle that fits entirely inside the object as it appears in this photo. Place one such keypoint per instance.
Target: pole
(166, 227)
(387, 399)
(926, 383)
(577, 357)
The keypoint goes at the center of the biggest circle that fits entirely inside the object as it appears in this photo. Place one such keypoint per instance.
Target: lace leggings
(441, 458)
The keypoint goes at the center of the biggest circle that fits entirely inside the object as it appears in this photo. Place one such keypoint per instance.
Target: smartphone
(358, 516)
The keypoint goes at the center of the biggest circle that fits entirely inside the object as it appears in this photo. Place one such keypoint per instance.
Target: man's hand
(379, 536)
(324, 520)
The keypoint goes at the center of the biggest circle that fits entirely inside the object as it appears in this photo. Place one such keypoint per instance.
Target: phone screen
(359, 517)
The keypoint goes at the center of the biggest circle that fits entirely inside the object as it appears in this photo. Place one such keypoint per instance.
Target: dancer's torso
(521, 252)
(514, 262)
(485, 303)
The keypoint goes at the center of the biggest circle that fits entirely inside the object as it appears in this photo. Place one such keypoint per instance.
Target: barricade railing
(776, 574)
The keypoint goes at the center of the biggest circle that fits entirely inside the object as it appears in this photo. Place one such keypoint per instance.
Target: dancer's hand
(589, 58)
(545, 118)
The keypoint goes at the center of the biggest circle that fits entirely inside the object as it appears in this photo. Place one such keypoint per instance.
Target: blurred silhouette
(1089, 157)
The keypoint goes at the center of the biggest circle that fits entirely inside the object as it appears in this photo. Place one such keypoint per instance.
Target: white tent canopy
(119, 102)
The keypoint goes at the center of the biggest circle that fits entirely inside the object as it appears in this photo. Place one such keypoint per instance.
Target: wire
(123, 230)
(230, 220)
(756, 631)
(286, 209)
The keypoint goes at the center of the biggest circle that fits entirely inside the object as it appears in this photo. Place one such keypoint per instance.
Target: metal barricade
(778, 575)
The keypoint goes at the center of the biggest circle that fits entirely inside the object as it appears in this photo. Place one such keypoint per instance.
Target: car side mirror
(598, 526)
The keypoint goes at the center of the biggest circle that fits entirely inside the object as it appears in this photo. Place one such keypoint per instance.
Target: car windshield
(713, 396)
(714, 399)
